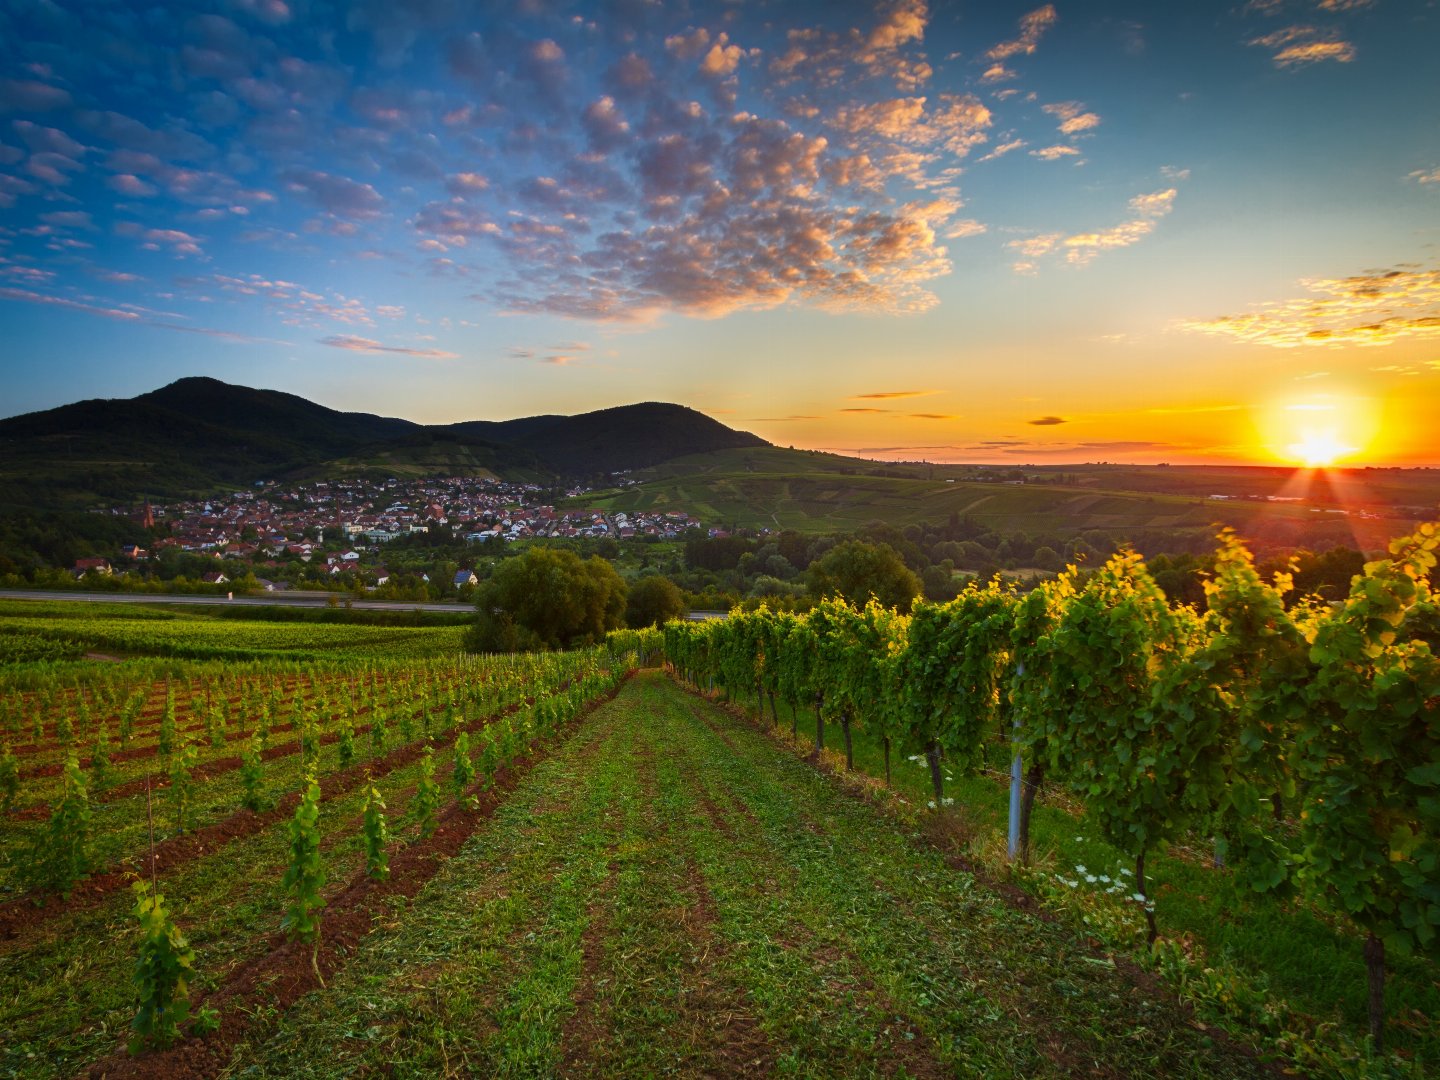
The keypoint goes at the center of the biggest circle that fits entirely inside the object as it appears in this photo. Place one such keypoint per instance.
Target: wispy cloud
(1426, 176)
(366, 345)
(1032, 27)
(1047, 421)
(884, 394)
(865, 410)
(1072, 116)
(1297, 46)
(1372, 309)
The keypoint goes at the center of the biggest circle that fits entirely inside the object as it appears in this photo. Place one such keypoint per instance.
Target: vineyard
(232, 794)
(40, 632)
(1298, 746)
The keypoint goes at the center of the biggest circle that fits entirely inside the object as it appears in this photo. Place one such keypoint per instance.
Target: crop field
(196, 784)
(662, 893)
(39, 631)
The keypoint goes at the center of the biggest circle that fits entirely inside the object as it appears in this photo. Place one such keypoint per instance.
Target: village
(339, 527)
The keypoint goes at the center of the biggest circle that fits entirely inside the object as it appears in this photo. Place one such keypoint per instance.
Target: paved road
(284, 599)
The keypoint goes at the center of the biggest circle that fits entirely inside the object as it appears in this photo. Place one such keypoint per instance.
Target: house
(215, 577)
(465, 577)
(133, 551)
(266, 584)
(382, 575)
(85, 566)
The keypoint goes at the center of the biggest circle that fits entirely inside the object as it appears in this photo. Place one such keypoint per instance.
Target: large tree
(858, 571)
(654, 601)
(548, 598)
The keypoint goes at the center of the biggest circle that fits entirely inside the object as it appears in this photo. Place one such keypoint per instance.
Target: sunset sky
(955, 231)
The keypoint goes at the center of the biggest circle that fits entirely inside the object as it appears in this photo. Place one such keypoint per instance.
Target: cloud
(885, 394)
(827, 59)
(933, 416)
(178, 241)
(1073, 117)
(1082, 247)
(128, 184)
(337, 195)
(1296, 46)
(1424, 176)
(28, 297)
(959, 230)
(1054, 153)
(1032, 27)
(1003, 149)
(1047, 421)
(366, 345)
(27, 95)
(126, 314)
(997, 72)
(1156, 204)
(865, 410)
(1374, 308)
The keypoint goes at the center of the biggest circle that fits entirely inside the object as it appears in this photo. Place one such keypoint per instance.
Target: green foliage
(377, 836)
(165, 741)
(653, 601)
(346, 743)
(305, 876)
(129, 714)
(425, 806)
(9, 780)
(62, 856)
(547, 598)
(309, 741)
(379, 730)
(162, 973)
(1370, 759)
(100, 776)
(858, 571)
(65, 730)
(252, 776)
(182, 784)
(464, 773)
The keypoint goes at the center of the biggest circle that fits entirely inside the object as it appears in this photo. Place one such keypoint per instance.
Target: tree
(858, 571)
(547, 598)
(654, 601)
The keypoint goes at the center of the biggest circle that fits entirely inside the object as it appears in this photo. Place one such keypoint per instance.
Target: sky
(994, 232)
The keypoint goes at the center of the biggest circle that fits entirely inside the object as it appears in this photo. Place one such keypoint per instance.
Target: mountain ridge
(199, 433)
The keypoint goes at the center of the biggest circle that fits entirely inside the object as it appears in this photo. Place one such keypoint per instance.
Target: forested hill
(197, 434)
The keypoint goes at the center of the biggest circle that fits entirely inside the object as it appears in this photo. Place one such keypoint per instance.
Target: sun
(1319, 449)
(1320, 430)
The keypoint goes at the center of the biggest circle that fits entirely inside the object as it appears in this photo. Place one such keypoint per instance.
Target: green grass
(1297, 953)
(668, 895)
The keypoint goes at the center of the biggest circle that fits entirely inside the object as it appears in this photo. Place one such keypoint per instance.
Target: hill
(199, 434)
(813, 492)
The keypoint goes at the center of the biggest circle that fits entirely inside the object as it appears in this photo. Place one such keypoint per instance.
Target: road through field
(670, 894)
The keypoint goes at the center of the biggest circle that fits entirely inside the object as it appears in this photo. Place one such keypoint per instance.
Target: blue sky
(956, 231)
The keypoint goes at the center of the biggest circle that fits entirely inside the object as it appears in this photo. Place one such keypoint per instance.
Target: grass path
(667, 896)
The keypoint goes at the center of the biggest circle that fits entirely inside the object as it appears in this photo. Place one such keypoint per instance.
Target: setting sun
(1318, 449)
(1321, 429)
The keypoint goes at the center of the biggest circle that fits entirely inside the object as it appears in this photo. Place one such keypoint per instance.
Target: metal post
(1017, 781)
